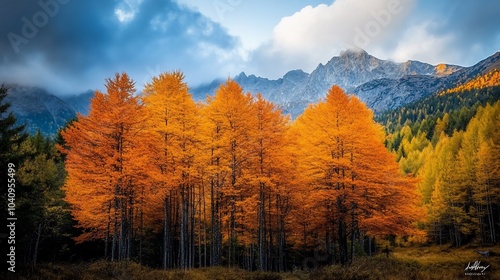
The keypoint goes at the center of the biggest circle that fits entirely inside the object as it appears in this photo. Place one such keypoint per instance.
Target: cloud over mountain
(73, 45)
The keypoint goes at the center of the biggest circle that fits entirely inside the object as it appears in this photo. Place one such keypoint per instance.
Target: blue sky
(69, 46)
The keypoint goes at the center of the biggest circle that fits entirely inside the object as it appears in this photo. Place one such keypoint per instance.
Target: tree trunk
(369, 246)
(183, 231)
(353, 229)
(167, 260)
(281, 234)
(115, 231)
(489, 208)
(192, 227)
(37, 242)
(261, 236)
(342, 242)
(270, 233)
(204, 226)
(106, 240)
(215, 244)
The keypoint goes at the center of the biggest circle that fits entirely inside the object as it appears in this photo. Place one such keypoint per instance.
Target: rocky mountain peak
(241, 75)
(295, 75)
(381, 84)
(354, 53)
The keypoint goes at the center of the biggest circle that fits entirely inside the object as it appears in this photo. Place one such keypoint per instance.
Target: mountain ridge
(387, 95)
(350, 70)
(381, 84)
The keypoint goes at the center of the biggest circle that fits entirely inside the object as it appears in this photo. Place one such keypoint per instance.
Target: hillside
(39, 109)
(44, 111)
(490, 79)
(460, 103)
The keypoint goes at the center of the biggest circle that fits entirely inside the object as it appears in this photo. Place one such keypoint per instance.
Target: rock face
(381, 84)
(383, 94)
(80, 103)
(41, 110)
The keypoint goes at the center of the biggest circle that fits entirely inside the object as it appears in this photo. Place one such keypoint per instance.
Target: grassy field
(403, 263)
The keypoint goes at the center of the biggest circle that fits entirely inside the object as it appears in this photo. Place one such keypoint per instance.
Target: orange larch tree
(232, 174)
(173, 148)
(352, 174)
(101, 186)
(271, 181)
(230, 127)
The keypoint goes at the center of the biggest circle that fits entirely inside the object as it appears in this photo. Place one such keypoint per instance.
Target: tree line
(460, 104)
(459, 177)
(231, 181)
(451, 142)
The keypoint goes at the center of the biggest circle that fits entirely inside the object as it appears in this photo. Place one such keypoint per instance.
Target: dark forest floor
(403, 263)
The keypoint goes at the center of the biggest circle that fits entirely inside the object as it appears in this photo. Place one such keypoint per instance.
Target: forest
(169, 183)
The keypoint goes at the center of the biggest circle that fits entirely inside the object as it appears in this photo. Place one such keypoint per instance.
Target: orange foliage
(490, 79)
(349, 172)
(101, 150)
(231, 172)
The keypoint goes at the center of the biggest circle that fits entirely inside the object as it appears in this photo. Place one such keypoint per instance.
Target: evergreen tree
(12, 136)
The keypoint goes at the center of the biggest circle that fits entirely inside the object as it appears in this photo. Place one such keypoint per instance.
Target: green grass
(403, 263)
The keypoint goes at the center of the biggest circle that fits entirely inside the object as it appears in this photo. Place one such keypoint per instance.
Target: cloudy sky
(69, 46)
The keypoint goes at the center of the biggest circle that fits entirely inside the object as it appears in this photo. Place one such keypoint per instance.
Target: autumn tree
(271, 179)
(476, 176)
(489, 79)
(486, 191)
(173, 148)
(347, 165)
(459, 182)
(445, 214)
(230, 127)
(101, 184)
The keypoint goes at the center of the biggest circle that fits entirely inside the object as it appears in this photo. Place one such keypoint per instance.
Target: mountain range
(381, 84)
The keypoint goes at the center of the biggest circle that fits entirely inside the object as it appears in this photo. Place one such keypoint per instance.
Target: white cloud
(419, 43)
(126, 10)
(123, 15)
(315, 34)
(35, 70)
